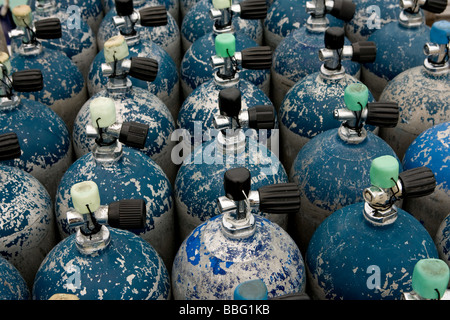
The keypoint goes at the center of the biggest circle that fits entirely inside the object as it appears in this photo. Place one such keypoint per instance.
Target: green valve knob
(251, 290)
(430, 278)
(225, 45)
(384, 172)
(85, 194)
(221, 4)
(356, 96)
(103, 112)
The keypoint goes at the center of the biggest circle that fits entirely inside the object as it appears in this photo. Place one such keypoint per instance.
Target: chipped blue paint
(44, 140)
(392, 59)
(166, 85)
(12, 285)
(296, 57)
(64, 87)
(198, 22)
(140, 106)
(307, 110)
(432, 150)
(217, 264)
(442, 240)
(128, 269)
(345, 247)
(424, 101)
(285, 16)
(133, 176)
(367, 19)
(167, 37)
(26, 222)
(330, 174)
(199, 181)
(196, 66)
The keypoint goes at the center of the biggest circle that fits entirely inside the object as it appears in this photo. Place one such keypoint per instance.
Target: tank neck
(352, 135)
(239, 223)
(332, 74)
(107, 155)
(45, 8)
(411, 19)
(92, 237)
(317, 24)
(230, 142)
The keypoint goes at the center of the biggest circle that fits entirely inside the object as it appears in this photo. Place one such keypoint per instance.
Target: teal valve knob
(356, 96)
(430, 278)
(440, 32)
(251, 290)
(225, 45)
(384, 172)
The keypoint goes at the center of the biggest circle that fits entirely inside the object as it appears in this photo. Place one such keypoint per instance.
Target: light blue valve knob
(430, 278)
(225, 45)
(356, 96)
(384, 172)
(251, 290)
(440, 32)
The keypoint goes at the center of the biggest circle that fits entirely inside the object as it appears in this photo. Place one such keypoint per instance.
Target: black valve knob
(364, 51)
(49, 28)
(257, 58)
(9, 146)
(124, 7)
(153, 16)
(133, 134)
(383, 114)
(279, 198)
(28, 80)
(343, 10)
(334, 38)
(127, 214)
(435, 6)
(230, 102)
(237, 183)
(417, 182)
(261, 117)
(253, 9)
(143, 68)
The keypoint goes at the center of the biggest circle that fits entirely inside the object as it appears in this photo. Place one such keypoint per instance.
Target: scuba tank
(197, 21)
(370, 16)
(46, 145)
(442, 240)
(65, 89)
(166, 86)
(202, 104)
(167, 36)
(172, 6)
(99, 261)
(199, 179)
(285, 16)
(12, 286)
(429, 281)
(431, 149)
(236, 245)
(350, 149)
(122, 172)
(307, 107)
(408, 34)
(421, 92)
(367, 250)
(27, 222)
(196, 68)
(78, 41)
(91, 11)
(131, 104)
(296, 55)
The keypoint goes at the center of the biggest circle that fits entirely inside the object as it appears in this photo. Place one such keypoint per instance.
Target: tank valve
(437, 50)
(318, 9)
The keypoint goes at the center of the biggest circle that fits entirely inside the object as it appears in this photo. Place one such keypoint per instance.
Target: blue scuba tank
(370, 16)
(429, 281)
(431, 149)
(350, 149)
(236, 245)
(442, 240)
(27, 221)
(172, 6)
(166, 36)
(195, 66)
(122, 172)
(199, 179)
(99, 261)
(307, 107)
(296, 55)
(90, 11)
(78, 41)
(367, 250)
(166, 86)
(408, 34)
(46, 145)
(131, 104)
(13, 286)
(198, 109)
(197, 21)
(421, 92)
(64, 86)
(285, 16)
